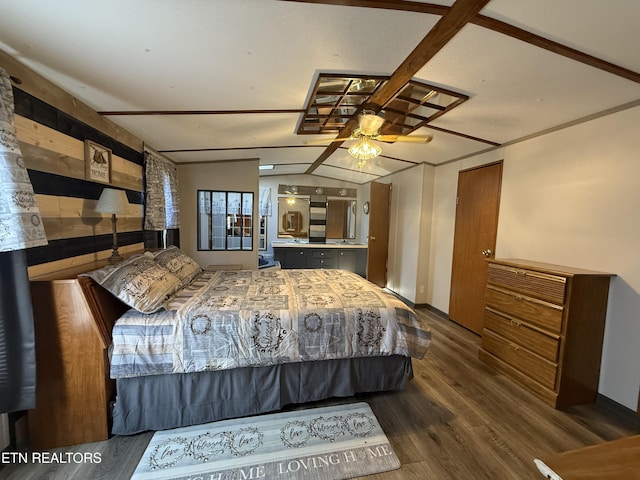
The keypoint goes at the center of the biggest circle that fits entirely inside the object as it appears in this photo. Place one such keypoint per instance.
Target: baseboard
(625, 414)
(435, 310)
(423, 306)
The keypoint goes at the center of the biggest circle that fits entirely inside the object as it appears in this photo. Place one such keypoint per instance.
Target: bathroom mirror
(293, 217)
(341, 218)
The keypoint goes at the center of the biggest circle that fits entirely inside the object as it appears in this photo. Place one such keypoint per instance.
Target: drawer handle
(515, 347)
(301, 253)
(513, 322)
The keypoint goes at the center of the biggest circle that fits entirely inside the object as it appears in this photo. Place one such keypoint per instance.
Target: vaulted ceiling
(212, 81)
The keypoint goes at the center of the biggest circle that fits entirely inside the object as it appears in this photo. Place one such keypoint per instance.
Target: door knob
(487, 252)
(372, 238)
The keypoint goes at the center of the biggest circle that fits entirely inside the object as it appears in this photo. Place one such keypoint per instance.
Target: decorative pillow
(178, 263)
(139, 282)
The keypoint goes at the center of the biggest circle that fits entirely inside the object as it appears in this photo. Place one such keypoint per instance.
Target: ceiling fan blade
(326, 140)
(370, 123)
(405, 138)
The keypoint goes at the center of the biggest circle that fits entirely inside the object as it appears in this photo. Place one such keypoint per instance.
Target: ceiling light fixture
(364, 149)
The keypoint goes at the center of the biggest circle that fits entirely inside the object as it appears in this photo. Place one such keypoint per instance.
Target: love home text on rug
(327, 443)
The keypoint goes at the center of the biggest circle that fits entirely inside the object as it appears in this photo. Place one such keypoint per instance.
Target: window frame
(243, 226)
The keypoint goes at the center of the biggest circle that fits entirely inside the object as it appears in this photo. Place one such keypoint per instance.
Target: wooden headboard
(73, 322)
(105, 307)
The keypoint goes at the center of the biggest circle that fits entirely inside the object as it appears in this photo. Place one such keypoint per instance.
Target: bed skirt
(161, 402)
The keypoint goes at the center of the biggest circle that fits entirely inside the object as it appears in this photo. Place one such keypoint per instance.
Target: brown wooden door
(474, 240)
(379, 207)
(336, 218)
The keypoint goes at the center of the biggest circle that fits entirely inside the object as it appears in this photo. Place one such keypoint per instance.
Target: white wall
(410, 232)
(241, 176)
(571, 197)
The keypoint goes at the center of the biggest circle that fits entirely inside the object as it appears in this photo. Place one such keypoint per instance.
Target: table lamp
(113, 201)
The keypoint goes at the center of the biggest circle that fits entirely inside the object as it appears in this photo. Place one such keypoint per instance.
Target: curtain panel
(17, 338)
(264, 201)
(20, 227)
(20, 221)
(162, 199)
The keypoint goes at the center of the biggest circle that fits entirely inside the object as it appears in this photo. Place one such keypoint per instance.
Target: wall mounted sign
(97, 161)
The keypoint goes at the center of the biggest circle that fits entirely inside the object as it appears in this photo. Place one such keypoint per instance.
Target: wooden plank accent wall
(51, 128)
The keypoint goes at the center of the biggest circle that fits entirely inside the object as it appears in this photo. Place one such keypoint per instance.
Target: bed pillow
(178, 263)
(140, 282)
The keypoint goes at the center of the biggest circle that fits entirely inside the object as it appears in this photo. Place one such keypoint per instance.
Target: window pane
(204, 220)
(247, 221)
(225, 220)
(234, 220)
(219, 209)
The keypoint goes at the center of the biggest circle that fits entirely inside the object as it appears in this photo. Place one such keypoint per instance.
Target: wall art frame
(97, 160)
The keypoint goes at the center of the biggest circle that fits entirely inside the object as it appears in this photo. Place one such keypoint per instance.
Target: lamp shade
(112, 201)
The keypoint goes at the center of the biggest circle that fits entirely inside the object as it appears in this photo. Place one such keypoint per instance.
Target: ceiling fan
(368, 129)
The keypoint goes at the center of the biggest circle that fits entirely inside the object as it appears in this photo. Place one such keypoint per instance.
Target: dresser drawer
(515, 331)
(537, 312)
(324, 263)
(532, 365)
(537, 284)
(319, 254)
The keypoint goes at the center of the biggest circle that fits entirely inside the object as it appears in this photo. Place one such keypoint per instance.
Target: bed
(198, 346)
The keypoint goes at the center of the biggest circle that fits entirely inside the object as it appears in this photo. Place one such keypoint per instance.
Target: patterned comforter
(229, 319)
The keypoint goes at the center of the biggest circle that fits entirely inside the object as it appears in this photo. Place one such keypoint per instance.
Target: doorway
(474, 240)
(378, 244)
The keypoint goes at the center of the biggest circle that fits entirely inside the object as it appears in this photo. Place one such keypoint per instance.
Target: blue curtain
(17, 346)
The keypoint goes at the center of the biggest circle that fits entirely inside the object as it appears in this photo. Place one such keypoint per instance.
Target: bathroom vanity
(343, 255)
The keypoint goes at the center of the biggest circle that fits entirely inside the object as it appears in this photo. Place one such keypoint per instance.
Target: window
(225, 220)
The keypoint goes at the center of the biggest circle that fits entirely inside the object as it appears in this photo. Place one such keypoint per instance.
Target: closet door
(476, 225)
(378, 233)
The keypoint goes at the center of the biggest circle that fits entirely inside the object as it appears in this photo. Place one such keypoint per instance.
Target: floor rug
(327, 443)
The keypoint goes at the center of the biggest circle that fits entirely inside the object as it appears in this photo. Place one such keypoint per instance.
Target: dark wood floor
(458, 419)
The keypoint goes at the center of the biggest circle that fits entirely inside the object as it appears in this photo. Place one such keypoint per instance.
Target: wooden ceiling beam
(460, 13)
(492, 24)
(555, 47)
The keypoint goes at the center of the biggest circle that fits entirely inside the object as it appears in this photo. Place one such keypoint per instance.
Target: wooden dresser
(543, 327)
(73, 334)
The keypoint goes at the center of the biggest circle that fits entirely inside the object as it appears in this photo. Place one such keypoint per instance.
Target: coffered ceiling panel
(378, 166)
(606, 30)
(354, 176)
(517, 89)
